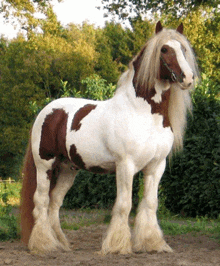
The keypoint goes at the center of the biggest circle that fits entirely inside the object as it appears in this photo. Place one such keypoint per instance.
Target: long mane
(180, 100)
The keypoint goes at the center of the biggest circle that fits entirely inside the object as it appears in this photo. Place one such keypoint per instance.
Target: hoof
(152, 247)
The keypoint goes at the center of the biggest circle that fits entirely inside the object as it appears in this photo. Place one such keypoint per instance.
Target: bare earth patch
(189, 250)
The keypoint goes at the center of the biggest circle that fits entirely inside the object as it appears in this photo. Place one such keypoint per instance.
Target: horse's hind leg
(64, 182)
(42, 237)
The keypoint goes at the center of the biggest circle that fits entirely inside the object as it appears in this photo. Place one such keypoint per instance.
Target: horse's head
(166, 56)
(173, 63)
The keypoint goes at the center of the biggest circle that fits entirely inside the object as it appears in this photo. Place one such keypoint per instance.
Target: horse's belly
(91, 156)
(87, 150)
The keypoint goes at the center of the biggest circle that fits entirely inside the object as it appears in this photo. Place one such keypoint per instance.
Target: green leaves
(23, 11)
(124, 9)
(192, 183)
(8, 222)
(97, 89)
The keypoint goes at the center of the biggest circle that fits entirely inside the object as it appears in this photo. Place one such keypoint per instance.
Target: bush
(95, 191)
(8, 222)
(192, 184)
(91, 191)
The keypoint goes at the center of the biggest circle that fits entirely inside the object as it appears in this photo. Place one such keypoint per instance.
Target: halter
(174, 77)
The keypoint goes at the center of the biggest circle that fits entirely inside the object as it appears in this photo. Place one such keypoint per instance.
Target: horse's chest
(142, 138)
(157, 146)
(163, 142)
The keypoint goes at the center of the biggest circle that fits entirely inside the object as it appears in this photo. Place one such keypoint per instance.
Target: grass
(171, 225)
(200, 225)
(74, 220)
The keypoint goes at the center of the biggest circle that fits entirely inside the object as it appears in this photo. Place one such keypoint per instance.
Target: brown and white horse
(133, 131)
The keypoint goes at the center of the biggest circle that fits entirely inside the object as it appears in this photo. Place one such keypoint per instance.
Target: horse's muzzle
(187, 81)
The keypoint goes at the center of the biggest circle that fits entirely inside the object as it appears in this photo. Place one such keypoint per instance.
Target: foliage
(31, 71)
(10, 193)
(97, 89)
(8, 222)
(142, 30)
(23, 11)
(203, 31)
(138, 8)
(120, 41)
(95, 191)
(91, 191)
(191, 184)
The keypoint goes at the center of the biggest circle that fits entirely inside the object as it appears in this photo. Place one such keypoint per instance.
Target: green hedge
(96, 191)
(192, 184)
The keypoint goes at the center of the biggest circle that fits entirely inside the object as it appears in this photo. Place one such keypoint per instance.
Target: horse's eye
(164, 50)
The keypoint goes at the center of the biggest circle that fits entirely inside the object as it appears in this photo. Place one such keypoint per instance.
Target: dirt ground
(188, 250)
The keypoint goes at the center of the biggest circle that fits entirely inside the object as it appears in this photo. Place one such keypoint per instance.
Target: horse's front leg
(118, 237)
(147, 233)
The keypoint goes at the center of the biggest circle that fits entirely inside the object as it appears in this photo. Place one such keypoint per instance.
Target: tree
(31, 71)
(124, 8)
(24, 12)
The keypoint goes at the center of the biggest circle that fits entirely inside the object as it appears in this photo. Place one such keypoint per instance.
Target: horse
(134, 131)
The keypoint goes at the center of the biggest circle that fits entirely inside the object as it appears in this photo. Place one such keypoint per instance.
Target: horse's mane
(148, 72)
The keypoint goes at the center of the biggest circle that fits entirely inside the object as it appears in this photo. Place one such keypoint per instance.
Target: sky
(75, 11)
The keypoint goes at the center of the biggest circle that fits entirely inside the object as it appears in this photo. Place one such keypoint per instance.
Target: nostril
(193, 77)
(189, 84)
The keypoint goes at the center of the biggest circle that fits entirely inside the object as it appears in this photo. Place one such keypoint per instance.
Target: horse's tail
(29, 185)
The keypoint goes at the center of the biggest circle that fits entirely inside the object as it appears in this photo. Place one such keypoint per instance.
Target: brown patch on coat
(162, 107)
(147, 94)
(29, 185)
(80, 114)
(159, 108)
(76, 158)
(53, 135)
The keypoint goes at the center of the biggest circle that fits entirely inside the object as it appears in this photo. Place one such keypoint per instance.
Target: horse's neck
(139, 95)
(149, 102)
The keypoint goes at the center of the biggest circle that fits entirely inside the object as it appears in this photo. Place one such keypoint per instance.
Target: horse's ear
(159, 27)
(180, 28)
